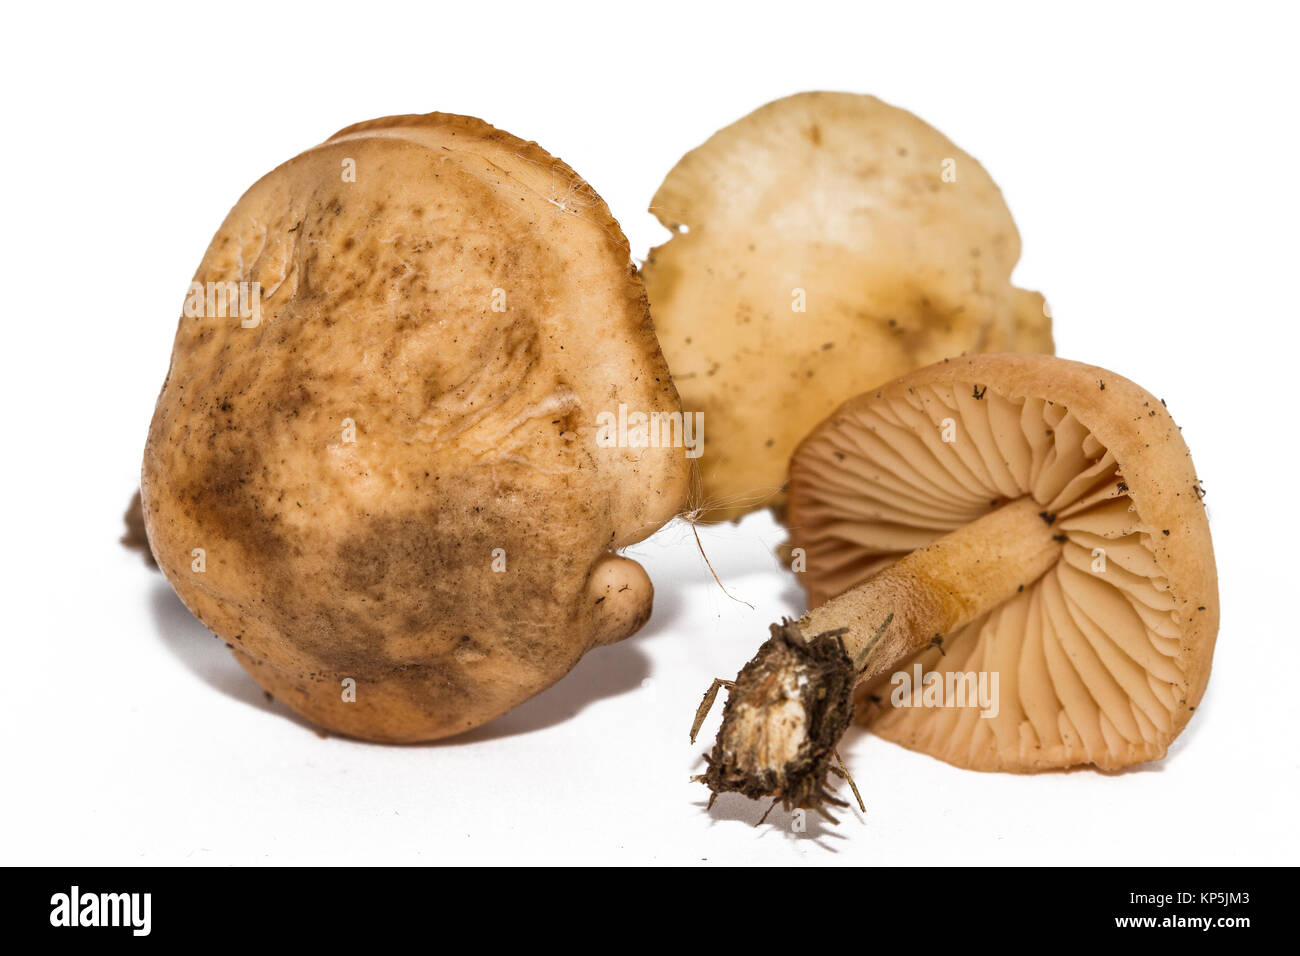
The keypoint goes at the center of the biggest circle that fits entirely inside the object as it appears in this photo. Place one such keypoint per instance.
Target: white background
(1148, 153)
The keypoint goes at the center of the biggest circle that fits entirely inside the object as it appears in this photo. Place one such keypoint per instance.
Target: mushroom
(381, 481)
(824, 244)
(1020, 516)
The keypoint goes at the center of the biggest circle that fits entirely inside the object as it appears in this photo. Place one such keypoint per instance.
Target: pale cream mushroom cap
(1104, 658)
(826, 243)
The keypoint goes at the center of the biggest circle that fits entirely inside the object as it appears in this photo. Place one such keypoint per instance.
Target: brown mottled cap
(1104, 658)
(393, 471)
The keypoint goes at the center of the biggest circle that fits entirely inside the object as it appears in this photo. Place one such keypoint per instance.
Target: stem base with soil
(793, 701)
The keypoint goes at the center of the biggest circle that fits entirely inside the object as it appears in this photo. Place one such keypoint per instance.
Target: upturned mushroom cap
(827, 243)
(1104, 658)
(394, 475)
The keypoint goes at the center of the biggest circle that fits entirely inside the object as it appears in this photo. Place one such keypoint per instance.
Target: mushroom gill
(1087, 657)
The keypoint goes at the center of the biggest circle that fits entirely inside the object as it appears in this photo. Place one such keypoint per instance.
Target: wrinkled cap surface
(392, 471)
(1103, 659)
(826, 243)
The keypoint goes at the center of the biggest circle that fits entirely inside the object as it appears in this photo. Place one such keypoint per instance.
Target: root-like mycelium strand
(791, 704)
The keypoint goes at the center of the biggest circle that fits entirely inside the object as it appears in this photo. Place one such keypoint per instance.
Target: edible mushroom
(1020, 516)
(824, 244)
(380, 481)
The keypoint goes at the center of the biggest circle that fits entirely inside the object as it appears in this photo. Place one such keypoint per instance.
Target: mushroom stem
(939, 588)
(792, 701)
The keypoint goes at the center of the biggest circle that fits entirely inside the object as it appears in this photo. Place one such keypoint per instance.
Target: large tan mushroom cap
(896, 243)
(1103, 659)
(465, 309)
